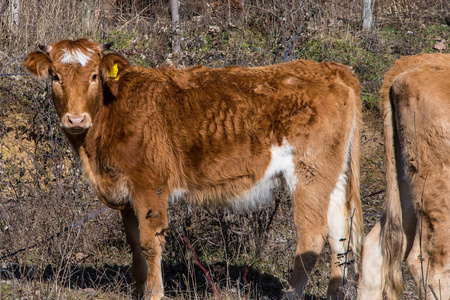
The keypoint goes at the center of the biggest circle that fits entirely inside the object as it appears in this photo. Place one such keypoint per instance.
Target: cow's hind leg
(139, 269)
(338, 237)
(311, 227)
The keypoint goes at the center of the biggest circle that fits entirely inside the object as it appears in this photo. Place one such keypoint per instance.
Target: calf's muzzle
(76, 123)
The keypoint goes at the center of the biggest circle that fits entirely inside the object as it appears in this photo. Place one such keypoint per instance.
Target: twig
(371, 137)
(3, 8)
(289, 45)
(10, 62)
(373, 194)
(434, 293)
(348, 243)
(346, 262)
(13, 74)
(54, 235)
(49, 119)
(274, 55)
(295, 37)
(213, 286)
(4, 54)
(212, 55)
(373, 214)
(274, 211)
(135, 17)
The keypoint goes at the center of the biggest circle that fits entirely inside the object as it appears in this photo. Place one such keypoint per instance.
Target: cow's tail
(354, 200)
(392, 239)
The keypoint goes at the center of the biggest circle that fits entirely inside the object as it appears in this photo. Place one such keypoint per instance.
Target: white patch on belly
(281, 165)
(75, 56)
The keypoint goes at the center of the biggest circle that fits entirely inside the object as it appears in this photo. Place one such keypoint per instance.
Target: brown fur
(416, 110)
(208, 136)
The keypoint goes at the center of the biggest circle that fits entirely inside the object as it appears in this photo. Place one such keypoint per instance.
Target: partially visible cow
(416, 224)
(229, 136)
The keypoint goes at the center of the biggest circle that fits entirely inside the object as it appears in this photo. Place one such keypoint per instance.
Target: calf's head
(77, 70)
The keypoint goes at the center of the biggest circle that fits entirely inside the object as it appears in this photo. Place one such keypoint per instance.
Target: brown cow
(416, 224)
(229, 136)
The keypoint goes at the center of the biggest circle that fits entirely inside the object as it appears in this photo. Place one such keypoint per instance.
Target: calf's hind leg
(338, 237)
(370, 282)
(312, 228)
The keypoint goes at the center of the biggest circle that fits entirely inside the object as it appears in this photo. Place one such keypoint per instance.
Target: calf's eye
(94, 77)
(55, 77)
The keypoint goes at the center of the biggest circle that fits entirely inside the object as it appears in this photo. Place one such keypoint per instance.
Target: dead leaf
(80, 256)
(440, 46)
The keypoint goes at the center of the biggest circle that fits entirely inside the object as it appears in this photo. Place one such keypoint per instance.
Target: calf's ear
(111, 66)
(38, 64)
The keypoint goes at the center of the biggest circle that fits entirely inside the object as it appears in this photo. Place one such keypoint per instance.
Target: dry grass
(43, 195)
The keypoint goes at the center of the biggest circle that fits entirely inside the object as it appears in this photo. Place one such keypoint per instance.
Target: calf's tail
(392, 237)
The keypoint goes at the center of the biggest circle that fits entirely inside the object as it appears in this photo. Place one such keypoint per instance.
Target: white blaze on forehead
(76, 56)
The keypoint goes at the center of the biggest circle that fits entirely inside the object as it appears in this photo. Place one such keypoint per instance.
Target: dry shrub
(51, 20)
(43, 194)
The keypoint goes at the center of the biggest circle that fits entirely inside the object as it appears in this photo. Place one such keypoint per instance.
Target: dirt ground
(372, 167)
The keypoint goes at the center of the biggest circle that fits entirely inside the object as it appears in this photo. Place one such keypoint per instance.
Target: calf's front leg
(139, 269)
(151, 212)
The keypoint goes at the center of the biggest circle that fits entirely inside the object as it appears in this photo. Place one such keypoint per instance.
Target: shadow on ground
(178, 279)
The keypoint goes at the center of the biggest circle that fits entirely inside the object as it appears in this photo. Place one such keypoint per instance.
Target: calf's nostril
(76, 121)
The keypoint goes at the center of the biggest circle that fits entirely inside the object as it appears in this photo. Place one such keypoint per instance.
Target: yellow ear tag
(113, 72)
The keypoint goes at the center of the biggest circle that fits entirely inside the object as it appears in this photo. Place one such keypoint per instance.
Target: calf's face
(75, 69)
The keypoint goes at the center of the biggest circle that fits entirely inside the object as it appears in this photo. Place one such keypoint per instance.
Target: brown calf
(416, 224)
(212, 136)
